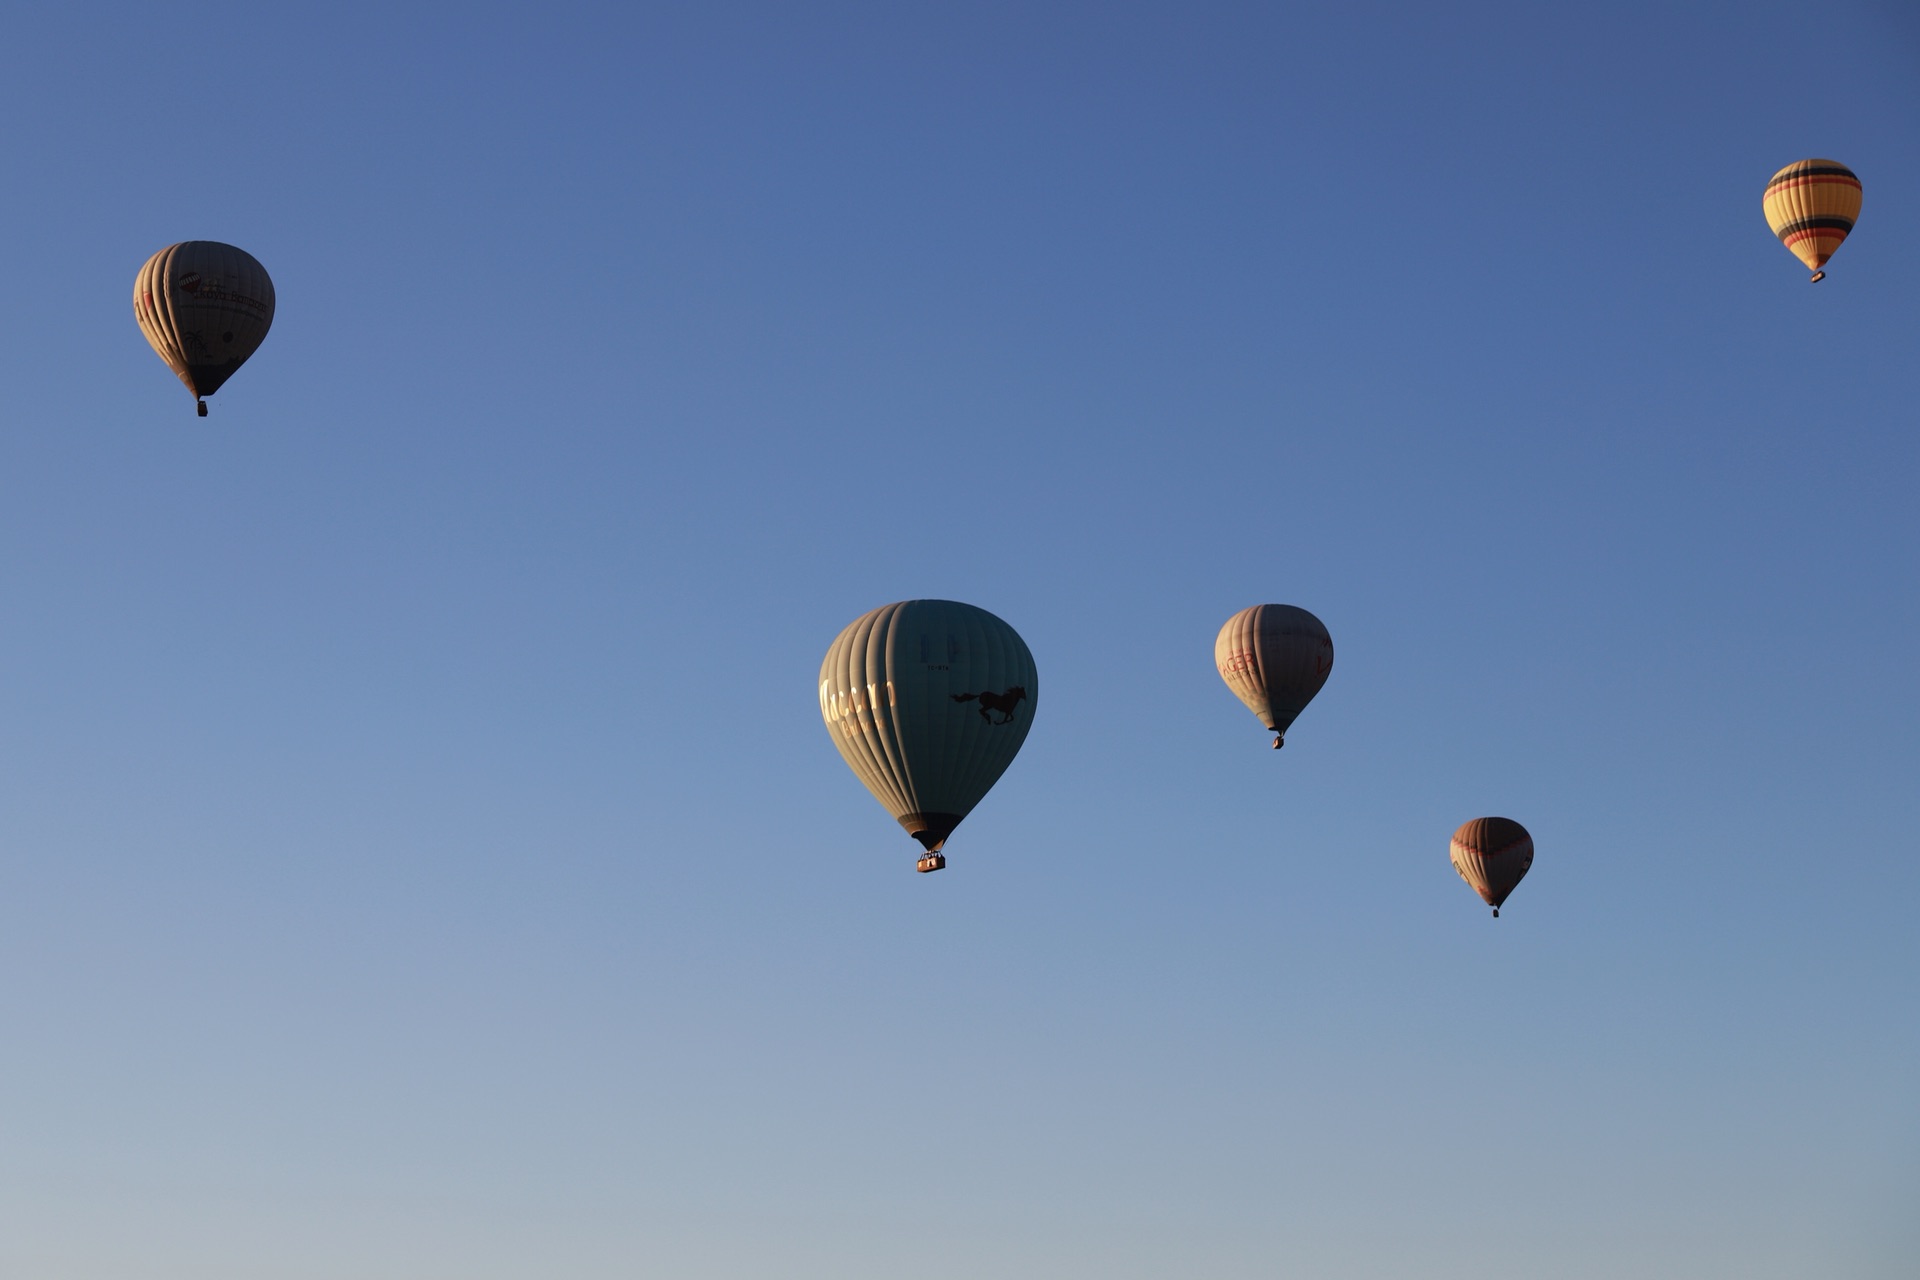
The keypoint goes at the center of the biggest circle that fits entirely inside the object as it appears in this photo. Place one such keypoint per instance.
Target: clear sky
(421, 857)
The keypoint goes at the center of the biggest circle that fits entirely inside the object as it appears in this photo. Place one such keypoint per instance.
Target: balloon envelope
(1274, 657)
(928, 701)
(205, 307)
(1812, 205)
(1492, 855)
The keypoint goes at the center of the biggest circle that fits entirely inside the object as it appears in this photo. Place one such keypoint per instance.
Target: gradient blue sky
(420, 854)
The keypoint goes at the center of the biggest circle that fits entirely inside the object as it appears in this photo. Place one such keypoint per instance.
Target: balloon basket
(201, 407)
(931, 862)
(1818, 276)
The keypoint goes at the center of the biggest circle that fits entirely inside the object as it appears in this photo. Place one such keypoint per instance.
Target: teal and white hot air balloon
(928, 701)
(1274, 657)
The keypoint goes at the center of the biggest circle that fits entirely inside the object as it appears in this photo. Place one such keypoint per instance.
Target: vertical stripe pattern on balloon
(1275, 658)
(205, 307)
(1492, 855)
(928, 702)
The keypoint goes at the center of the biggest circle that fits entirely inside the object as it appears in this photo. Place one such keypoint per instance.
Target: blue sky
(420, 855)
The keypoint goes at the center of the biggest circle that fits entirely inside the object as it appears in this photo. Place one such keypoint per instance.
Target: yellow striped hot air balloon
(1812, 205)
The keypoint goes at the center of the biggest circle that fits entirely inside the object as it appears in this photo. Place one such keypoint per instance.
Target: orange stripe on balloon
(1783, 183)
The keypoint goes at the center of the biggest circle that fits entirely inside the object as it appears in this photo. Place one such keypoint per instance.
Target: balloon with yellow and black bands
(1812, 206)
(204, 308)
(928, 702)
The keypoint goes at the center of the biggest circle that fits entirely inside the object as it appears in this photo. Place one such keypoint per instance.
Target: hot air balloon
(1812, 205)
(928, 701)
(1492, 855)
(205, 307)
(1275, 658)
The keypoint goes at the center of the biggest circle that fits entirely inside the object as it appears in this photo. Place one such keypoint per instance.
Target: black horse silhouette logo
(1004, 703)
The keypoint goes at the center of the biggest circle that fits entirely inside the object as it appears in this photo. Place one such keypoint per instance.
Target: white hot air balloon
(1274, 657)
